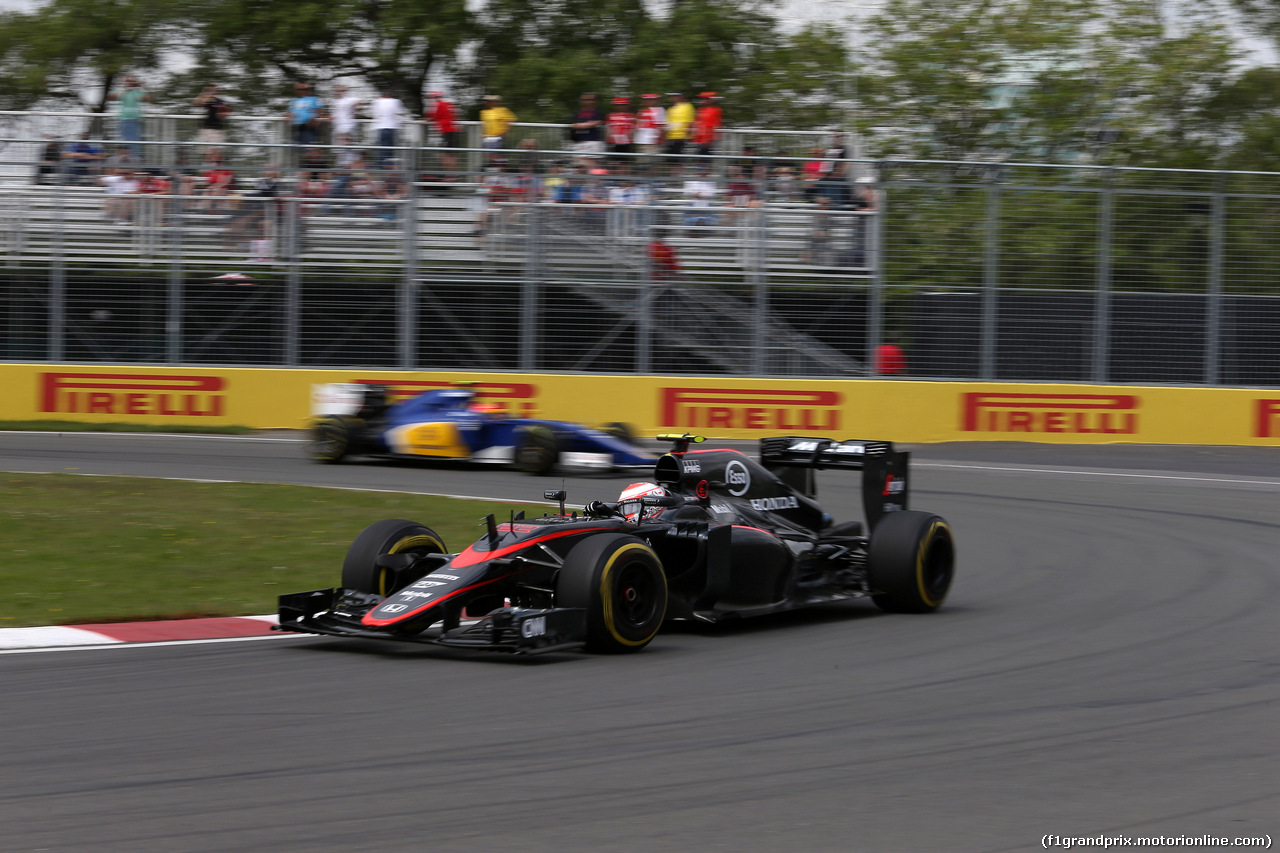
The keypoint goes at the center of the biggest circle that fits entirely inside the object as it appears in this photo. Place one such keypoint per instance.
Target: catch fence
(540, 263)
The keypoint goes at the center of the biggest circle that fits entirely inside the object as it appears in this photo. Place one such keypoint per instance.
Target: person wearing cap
(586, 127)
(679, 123)
(305, 114)
(621, 127)
(651, 125)
(444, 118)
(495, 121)
(707, 122)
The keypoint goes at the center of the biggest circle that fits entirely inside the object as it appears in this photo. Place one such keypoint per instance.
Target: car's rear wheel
(537, 451)
(619, 581)
(360, 570)
(911, 562)
(333, 438)
(620, 431)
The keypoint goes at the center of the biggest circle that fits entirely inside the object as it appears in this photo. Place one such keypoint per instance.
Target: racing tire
(333, 438)
(536, 450)
(360, 570)
(619, 581)
(620, 431)
(911, 562)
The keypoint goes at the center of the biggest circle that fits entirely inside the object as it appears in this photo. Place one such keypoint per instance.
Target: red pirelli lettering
(131, 394)
(748, 408)
(1267, 419)
(983, 411)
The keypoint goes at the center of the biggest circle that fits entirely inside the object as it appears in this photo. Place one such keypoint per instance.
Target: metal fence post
(874, 249)
(58, 279)
(1102, 287)
(990, 279)
(408, 303)
(529, 293)
(1213, 321)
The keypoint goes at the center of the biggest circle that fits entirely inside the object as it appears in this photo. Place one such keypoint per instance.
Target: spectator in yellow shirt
(679, 123)
(495, 121)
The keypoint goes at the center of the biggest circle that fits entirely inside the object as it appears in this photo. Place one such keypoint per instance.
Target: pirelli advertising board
(900, 411)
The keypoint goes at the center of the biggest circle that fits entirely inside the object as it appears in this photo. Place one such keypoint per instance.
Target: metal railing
(1001, 272)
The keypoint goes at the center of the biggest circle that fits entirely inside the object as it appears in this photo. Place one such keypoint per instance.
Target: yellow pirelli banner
(900, 411)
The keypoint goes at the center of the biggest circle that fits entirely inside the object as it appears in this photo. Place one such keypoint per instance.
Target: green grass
(81, 426)
(77, 549)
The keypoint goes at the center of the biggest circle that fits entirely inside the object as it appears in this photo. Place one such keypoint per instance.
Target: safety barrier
(903, 411)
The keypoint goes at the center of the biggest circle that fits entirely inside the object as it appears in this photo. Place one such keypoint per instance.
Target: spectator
(85, 158)
(707, 122)
(122, 188)
(664, 264)
(444, 119)
(316, 160)
(50, 165)
(629, 193)
(346, 107)
(651, 125)
(388, 114)
(213, 127)
(495, 121)
(217, 178)
(699, 193)
(306, 115)
(621, 124)
(183, 176)
(865, 196)
(811, 172)
(392, 192)
(555, 185)
(530, 160)
(835, 186)
(818, 249)
(586, 127)
(889, 359)
(679, 123)
(131, 97)
(785, 184)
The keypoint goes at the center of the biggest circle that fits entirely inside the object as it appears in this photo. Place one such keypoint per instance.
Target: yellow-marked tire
(619, 581)
(333, 438)
(911, 562)
(537, 451)
(360, 570)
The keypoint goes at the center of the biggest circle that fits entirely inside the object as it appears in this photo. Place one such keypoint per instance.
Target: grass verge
(99, 549)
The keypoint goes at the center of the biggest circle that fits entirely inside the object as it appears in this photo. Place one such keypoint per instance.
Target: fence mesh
(544, 261)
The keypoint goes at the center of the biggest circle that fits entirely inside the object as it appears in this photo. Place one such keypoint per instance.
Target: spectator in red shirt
(620, 128)
(444, 118)
(663, 263)
(707, 123)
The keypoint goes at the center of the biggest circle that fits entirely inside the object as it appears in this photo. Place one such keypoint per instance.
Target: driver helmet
(630, 501)
(488, 411)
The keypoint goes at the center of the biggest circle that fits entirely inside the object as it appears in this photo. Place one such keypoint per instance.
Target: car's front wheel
(360, 569)
(619, 581)
(537, 451)
(911, 562)
(333, 438)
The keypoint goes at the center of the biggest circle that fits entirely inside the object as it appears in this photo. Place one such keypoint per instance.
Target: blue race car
(451, 424)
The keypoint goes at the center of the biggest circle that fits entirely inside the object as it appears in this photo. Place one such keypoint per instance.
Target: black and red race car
(717, 536)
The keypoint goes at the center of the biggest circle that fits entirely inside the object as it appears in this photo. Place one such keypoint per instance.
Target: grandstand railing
(1003, 272)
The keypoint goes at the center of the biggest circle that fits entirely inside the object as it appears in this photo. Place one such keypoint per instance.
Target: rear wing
(885, 471)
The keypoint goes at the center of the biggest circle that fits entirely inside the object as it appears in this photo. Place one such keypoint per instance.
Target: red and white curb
(115, 633)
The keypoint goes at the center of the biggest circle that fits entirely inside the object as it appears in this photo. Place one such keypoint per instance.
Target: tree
(70, 50)
(397, 44)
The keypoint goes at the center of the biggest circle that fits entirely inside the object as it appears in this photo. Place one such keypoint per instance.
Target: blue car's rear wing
(885, 480)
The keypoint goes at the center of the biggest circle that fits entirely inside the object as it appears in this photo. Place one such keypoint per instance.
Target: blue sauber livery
(452, 424)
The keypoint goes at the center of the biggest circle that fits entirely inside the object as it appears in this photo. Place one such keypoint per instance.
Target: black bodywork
(736, 537)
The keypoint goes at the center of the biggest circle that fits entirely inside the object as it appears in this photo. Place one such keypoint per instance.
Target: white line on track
(1085, 472)
(97, 647)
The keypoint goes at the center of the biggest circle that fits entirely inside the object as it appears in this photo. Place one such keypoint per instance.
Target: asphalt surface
(1108, 663)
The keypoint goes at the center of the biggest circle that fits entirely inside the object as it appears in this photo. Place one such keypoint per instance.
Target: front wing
(510, 630)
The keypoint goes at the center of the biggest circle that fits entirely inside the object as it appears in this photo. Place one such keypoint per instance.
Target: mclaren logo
(749, 408)
(1079, 414)
(132, 394)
